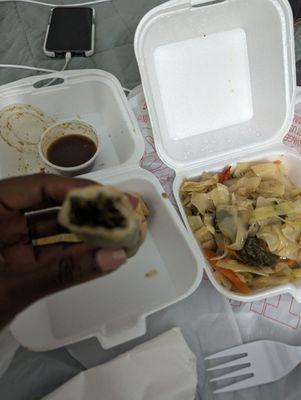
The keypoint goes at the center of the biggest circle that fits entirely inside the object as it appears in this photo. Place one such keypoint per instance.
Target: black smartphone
(70, 29)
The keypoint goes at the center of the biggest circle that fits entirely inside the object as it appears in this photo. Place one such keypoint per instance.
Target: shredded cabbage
(250, 223)
(266, 201)
(195, 221)
(200, 186)
(209, 223)
(271, 187)
(220, 195)
(226, 219)
(245, 186)
(202, 202)
(263, 282)
(266, 170)
(242, 230)
(277, 242)
(241, 169)
(263, 212)
(203, 235)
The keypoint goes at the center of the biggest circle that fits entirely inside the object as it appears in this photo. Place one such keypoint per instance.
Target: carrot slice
(277, 162)
(233, 278)
(209, 254)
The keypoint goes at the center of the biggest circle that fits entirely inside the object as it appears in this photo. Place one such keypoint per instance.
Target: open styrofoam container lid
(218, 76)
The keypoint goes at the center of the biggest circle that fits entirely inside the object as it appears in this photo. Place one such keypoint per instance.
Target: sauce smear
(71, 150)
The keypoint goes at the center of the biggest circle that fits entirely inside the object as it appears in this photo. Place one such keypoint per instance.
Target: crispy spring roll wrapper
(104, 217)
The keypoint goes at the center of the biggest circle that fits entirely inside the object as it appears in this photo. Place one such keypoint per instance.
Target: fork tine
(228, 364)
(233, 351)
(243, 384)
(244, 370)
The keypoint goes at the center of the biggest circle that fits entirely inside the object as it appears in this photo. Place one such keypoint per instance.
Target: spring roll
(104, 217)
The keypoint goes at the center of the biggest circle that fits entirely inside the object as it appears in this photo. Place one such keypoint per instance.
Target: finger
(2, 261)
(19, 257)
(23, 258)
(18, 228)
(15, 245)
(62, 273)
(43, 224)
(32, 191)
(106, 259)
(46, 254)
(75, 268)
(109, 260)
(13, 229)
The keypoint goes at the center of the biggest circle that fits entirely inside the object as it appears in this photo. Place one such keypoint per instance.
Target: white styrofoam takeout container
(113, 308)
(219, 81)
(92, 96)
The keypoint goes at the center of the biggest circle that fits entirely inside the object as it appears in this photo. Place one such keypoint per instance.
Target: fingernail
(119, 255)
(109, 260)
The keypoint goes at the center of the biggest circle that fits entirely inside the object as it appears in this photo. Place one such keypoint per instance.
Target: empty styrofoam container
(92, 96)
(113, 308)
(219, 81)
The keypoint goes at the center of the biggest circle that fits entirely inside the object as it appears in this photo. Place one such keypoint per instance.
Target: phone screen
(70, 29)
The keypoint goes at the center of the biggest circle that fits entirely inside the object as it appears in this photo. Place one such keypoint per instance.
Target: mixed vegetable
(247, 219)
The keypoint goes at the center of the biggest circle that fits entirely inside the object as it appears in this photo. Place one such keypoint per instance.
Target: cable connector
(68, 57)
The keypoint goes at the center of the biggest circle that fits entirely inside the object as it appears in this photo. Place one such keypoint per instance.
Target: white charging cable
(67, 60)
(17, 66)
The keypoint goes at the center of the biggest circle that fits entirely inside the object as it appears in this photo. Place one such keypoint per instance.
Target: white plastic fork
(260, 362)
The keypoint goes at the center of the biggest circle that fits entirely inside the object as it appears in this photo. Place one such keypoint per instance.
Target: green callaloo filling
(255, 252)
(99, 212)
